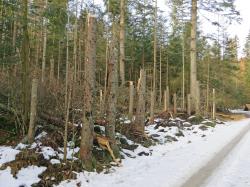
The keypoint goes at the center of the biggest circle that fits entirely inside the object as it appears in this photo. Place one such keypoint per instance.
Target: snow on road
(235, 169)
(169, 166)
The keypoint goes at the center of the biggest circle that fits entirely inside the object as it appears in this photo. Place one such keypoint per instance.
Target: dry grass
(230, 117)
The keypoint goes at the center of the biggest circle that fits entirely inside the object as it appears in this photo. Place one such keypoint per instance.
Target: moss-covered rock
(195, 120)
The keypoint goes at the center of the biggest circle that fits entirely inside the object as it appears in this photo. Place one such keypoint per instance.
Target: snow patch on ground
(26, 176)
(7, 154)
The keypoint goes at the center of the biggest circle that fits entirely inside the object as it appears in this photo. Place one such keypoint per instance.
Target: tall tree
(112, 92)
(193, 53)
(153, 93)
(44, 43)
(89, 87)
(122, 41)
(25, 63)
(247, 46)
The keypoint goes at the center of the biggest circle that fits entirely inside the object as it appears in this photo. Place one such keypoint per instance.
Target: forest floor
(183, 149)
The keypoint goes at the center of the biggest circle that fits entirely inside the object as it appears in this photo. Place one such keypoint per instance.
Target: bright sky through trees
(241, 30)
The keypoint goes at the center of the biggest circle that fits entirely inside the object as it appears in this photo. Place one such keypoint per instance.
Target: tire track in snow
(200, 177)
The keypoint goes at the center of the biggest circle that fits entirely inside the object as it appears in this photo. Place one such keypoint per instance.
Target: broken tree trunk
(139, 125)
(131, 100)
(33, 111)
(166, 99)
(89, 86)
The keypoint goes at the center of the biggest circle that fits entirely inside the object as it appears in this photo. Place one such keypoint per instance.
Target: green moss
(195, 120)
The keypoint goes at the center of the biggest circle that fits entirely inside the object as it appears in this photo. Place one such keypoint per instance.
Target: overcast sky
(241, 30)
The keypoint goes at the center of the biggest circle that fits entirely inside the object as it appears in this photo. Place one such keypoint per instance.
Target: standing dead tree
(89, 86)
(139, 126)
(131, 100)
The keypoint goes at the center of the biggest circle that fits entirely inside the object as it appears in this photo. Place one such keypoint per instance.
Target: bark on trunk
(67, 117)
(189, 104)
(44, 44)
(166, 99)
(193, 68)
(140, 110)
(131, 100)
(25, 65)
(214, 107)
(154, 70)
(122, 42)
(33, 110)
(51, 73)
(197, 103)
(89, 86)
(175, 104)
(112, 94)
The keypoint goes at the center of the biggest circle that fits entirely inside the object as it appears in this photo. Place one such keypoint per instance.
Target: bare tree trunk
(75, 46)
(131, 100)
(89, 86)
(59, 61)
(140, 110)
(175, 104)
(122, 41)
(166, 99)
(189, 104)
(25, 65)
(67, 117)
(193, 67)
(112, 93)
(207, 98)
(152, 98)
(44, 44)
(33, 110)
(106, 73)
(51, 74)
(67, 69)
(101, 98)
(197, 103)
(160, 99)
(14, 34)
(183, 73)
(214, 107)
(154, 70)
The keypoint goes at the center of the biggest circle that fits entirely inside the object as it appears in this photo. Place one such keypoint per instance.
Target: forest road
(199, 178)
